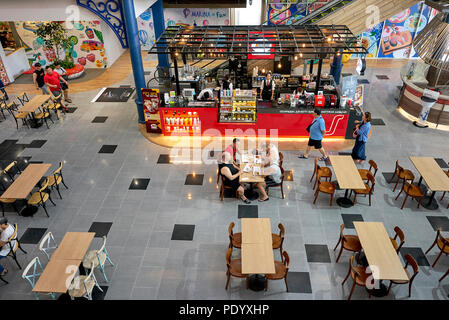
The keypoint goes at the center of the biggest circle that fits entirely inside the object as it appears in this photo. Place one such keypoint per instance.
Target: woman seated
(231, 174)
(271, 171)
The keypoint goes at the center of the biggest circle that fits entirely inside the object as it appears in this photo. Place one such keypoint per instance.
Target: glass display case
(239, 106)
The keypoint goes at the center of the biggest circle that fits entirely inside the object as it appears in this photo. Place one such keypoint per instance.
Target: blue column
(159, 27)
(337, 67)
(136, 55)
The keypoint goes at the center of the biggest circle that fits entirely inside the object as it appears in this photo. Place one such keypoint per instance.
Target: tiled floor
(148, 264)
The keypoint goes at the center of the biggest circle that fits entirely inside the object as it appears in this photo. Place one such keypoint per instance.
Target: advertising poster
(398, 32)
(151, 103)
(370, 39)
(358, 97)
(424, 19)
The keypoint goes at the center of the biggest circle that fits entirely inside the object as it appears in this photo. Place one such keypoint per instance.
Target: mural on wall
(87, 46)
(371, 39)
(287, 12)
(180, 16)
(3, 75)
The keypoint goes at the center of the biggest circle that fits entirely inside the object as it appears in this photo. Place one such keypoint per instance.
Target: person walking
(317, 130)
(361, 134)
(65, 88)
(53, 81)
(38, 78)
(2, 89)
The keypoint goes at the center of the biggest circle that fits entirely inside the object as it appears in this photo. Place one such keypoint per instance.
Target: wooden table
(32, 106)
(24, 184)
(249, 177)
(57, 275)
(348, 177)
(74, 245)
(257, 251)
(380, 253)
(435, 178)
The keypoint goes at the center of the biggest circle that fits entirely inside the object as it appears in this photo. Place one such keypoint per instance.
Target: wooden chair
(402, 174)
(281, 159)
(56, 178)
(13, 248)
(223, 187)
(359, 277)
(234, 268)
(95, 258)
(348, 242)
(55, 106)
(281, 270)
(278, 239)
(21, 116)
(411, 190)
(278, 185)
(325, 172)
(444, 193)
(23, 98)
(369, 189)
(3, 109)
(9, 170)
(364, 172)
(410, 261)
(8, 201)
(443, 245)
(40, 197)
(47, 244)
(324, 187)
(235, 239)
(12, 106)
(32, 277)
(398, 234)
(44, 114)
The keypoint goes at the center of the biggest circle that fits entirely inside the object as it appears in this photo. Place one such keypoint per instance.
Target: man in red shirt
(52, 80)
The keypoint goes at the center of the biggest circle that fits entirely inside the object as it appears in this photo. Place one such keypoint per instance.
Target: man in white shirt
(64, 87)
(7, 231)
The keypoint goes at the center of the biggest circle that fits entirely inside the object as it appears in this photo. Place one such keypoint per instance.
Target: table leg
(381, 291)
(251, 194)
(429, 202)
(257, 282)
(34, 123)
(28, 211)
(345, 202)
(420, 181)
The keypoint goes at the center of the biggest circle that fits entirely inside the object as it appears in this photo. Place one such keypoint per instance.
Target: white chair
(96, 258)
(32, 278)
(48, 243)
(82, 286)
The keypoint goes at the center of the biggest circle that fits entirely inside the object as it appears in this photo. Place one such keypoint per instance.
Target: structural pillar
(136, 56)
(159, 28)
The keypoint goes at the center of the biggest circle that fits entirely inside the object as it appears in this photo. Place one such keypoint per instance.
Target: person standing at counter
(2, 89)
(267, 88)
(227, 83)
(317, 130)
(206, 94)
(361, 132)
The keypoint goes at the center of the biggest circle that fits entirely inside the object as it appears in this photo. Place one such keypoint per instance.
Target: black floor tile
(416, 253)
(71, 109)
(194, 180)
(299, 282)
(8, 143)
(115, 94)
(107, 148)
(164, 158)
(377, 122)
(382, 77)
(100, 228)
(248, 211)
(139, 184)
(443, 164)
(362, 81)
(183, 232)
(33, 235)
(439, 222)
(288, 175)
(36, 143)
(99, 119)
(388, 176)
(317, 253)
(348, 219)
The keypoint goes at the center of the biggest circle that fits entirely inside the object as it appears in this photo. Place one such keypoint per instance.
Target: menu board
(151, 104)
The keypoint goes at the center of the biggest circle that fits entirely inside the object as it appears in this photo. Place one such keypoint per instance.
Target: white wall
(249, 15)
(112, 45)
(15, 63)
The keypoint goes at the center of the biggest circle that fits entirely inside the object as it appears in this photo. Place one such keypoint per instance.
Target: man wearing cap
(7, 231)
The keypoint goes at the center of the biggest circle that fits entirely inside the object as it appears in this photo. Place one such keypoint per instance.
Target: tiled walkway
(150, 210)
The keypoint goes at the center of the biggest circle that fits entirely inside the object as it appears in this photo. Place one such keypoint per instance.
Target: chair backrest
(281, 230)
(282, 174)
(47, 243)
(286, 261)
(37, 271)
(12, 238)
(373, 165)
(230, 229)
(342, 227)
(88, 289)
(398, 167)
(44, 186)
(281, 159)
(318, 175)
(399, 233)
(442, 239)
(103, 246)
(58, 171)
(315, 167)
(371, 180)
(412, 262)
(228, 257)
(9, 166)
(11, 105)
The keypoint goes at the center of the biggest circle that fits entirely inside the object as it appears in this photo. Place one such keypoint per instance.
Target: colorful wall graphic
(287, 12)
(87, 44)
(3, 75)
(180, 16)
(371, 39)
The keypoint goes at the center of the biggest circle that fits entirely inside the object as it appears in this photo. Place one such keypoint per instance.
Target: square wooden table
(380, 253)
(435, 178)
(348, 177)
(57, 276)
(74, 245)
(24, 184)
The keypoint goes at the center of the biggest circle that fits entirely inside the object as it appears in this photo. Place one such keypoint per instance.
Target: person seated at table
(233, 149)
(271, 171)
(7, 231)
(231, 173)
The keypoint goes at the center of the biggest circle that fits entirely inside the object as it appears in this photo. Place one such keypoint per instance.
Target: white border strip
(98, 95)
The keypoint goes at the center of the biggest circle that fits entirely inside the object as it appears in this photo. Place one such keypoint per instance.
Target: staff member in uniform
(227, 83)
(206, 94)
(317, 130)
(267, 89)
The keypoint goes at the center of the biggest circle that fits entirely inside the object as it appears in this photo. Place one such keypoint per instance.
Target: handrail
(324, 8)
